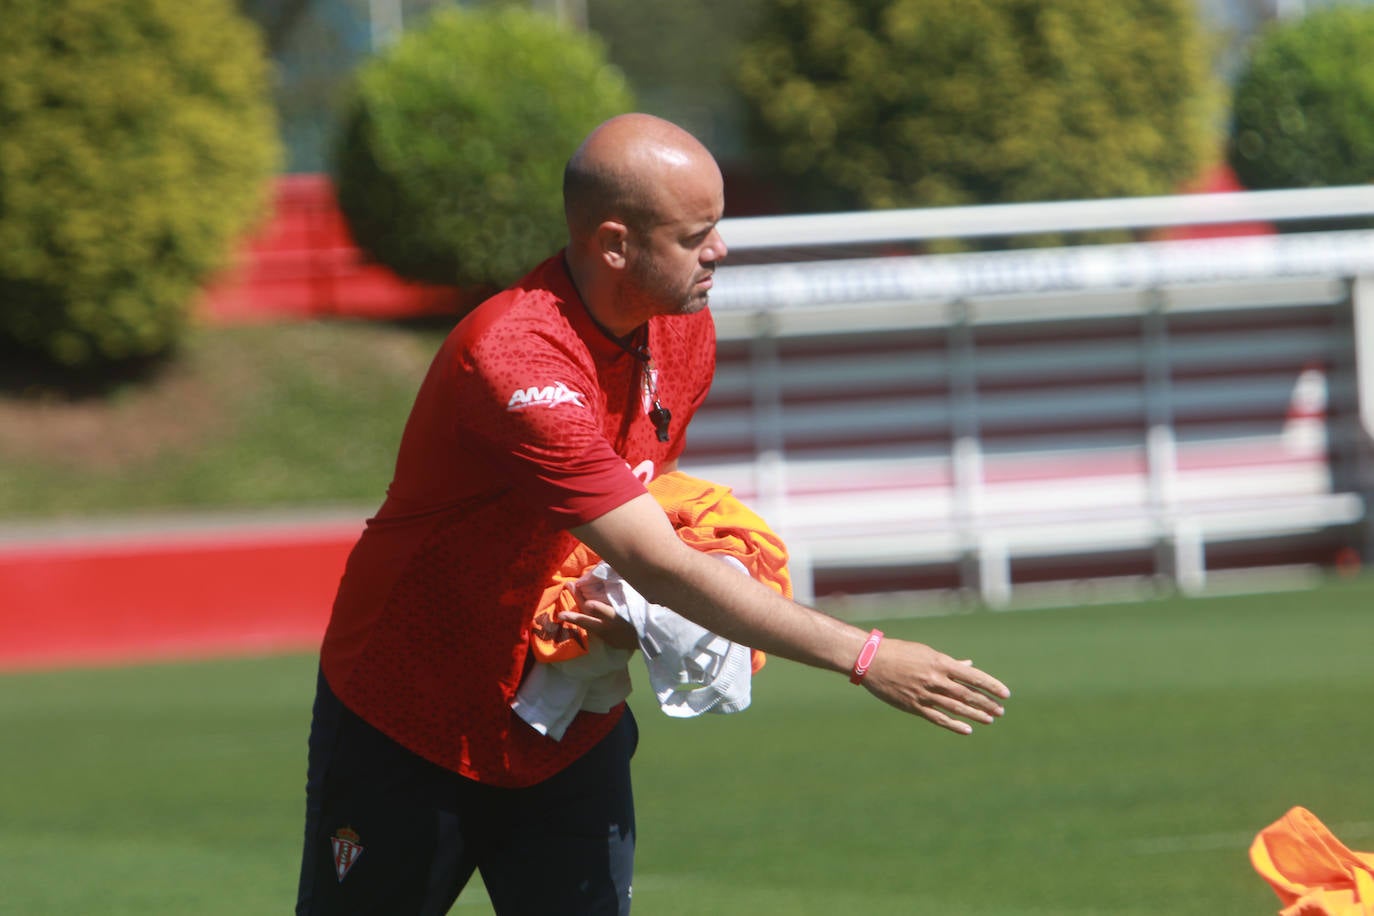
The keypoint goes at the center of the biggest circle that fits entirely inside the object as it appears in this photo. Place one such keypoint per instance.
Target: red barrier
(303, 263)
(1218, 179)
(207, 593)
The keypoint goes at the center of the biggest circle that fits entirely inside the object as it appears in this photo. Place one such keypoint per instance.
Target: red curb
(169, 596)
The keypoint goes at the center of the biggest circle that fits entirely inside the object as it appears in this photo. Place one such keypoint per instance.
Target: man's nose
(715, 249)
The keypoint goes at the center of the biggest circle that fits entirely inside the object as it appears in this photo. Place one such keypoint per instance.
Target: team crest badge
(347, 850)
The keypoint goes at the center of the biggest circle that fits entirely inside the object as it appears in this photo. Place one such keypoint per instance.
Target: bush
(450, 167)
(893, 103)
(138, 136)
(1303, 114)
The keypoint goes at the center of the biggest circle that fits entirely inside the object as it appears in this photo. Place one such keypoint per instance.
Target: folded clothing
(1312, 872)
(708, 517)
(691, 670)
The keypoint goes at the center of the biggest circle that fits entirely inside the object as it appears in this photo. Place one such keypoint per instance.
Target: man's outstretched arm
(639, 542)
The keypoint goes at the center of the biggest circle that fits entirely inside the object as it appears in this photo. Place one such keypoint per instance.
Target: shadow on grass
(30, 375)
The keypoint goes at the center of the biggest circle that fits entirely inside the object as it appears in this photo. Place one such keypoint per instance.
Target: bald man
(543, 416)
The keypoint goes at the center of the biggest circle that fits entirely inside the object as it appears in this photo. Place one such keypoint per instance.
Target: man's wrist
(866, 655)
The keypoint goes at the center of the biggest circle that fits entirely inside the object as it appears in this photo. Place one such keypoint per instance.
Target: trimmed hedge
(137, 145)
(1303, 114)
(450, 167)
(895, 103)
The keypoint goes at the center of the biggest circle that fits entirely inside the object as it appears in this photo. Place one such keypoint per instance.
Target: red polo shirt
(530, 421)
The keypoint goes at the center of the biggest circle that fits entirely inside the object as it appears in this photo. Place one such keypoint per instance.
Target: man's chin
(695, 303)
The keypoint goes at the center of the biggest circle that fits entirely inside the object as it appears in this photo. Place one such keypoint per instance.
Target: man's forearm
(747, 612)
(638, 541)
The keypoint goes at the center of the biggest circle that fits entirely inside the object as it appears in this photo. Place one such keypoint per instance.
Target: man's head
(642, 198)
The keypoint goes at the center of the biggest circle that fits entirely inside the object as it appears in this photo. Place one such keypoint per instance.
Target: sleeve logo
(548, 396)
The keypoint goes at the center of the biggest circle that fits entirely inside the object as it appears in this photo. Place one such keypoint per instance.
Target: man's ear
(612, 242)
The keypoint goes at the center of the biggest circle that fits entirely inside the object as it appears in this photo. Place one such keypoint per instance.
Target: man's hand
(598, 618)
(917, 679)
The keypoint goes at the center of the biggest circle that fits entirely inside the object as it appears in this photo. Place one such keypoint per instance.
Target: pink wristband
(870, 649)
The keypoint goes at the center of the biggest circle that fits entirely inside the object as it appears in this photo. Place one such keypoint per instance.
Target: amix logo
(548, 396)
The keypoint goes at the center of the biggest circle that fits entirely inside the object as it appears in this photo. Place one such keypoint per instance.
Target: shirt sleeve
(537, 412)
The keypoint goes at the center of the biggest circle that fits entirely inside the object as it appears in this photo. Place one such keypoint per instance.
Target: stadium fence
(1166, 405)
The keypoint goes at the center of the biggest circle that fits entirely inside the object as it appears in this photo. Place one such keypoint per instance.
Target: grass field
(1144, 746)
(294, 414)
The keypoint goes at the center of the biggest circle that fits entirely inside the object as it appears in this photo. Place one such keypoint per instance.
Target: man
(540, 420)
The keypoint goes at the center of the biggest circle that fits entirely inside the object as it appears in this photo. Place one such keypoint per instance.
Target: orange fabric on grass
(708, 517)
(1311, 871)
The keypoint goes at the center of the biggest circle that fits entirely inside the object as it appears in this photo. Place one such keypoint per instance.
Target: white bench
(856, 515)
(909, 448)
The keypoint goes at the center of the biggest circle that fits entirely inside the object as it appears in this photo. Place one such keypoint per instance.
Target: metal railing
(955, 295)
(763, 232)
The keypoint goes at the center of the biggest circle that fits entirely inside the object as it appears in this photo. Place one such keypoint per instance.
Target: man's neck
(600, 302)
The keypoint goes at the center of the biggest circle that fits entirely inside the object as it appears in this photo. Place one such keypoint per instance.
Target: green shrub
(138, 136)
(1304, 103)
(450, 167)
(895, 103)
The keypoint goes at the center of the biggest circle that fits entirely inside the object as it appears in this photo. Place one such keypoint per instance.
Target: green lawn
(1143, 747)
(298, 414)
